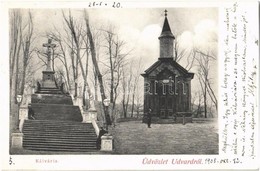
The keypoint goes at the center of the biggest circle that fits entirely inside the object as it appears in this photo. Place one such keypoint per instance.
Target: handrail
(95, 126)
(23, 115)
(21, 123)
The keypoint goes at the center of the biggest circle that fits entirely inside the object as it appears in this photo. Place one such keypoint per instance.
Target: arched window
(171, 87)
(184, 88)
(155, 87)
(164, 88)
(176, 84)
(147, 87)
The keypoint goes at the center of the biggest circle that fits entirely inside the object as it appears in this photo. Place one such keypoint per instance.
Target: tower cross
(165, 12)
(49, 45)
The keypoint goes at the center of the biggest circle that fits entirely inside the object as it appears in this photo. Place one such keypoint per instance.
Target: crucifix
(49, 45)
(165, 12)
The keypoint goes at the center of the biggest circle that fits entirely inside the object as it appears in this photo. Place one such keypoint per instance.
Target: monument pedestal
(107, 142)
(89, 115)
(48, 79)
(17, 140)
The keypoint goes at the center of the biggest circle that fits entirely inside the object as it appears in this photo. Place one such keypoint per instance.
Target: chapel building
(167, 85)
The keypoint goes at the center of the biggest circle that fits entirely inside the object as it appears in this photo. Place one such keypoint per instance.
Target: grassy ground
(133, 137)
(193, 138)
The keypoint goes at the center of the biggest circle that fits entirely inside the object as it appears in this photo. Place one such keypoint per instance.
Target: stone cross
(165, 12)
(49, 45)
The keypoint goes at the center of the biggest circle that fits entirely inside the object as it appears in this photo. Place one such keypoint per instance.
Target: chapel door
(169, 106)
(166, 103)
(162, 106)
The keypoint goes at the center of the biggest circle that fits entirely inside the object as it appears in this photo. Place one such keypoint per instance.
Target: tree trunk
(111, 72)
(74, 69)
(25, 61)
(214, 98)
(94, 60)
(66, 66)
(16, 77)
(86, 76)
(205, 99)
(124, 109)
(96, 87)
(16, 28)
(133, 104)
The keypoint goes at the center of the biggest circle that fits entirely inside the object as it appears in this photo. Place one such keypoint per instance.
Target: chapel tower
(166, 40)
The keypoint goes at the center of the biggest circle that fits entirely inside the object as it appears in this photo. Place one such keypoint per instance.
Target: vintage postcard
(127, 85)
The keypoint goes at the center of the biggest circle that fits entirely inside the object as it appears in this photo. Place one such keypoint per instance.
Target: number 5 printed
(11, 161)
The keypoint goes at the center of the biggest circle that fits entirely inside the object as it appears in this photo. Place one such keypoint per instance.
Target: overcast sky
(141, 27)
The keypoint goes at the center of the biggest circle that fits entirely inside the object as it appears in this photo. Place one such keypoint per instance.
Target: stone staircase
(51, 99)
(56, 112)
(48, 90)
(46, 135)
(56, 125)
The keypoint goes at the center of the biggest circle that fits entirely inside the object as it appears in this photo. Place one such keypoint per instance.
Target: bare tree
(86, 71)
(94, 60)
(139, 95)
(61, 55)
(114, 47)
(78, 37)
(179, 52)
(97, 37)
(204, 60)
(126, 88)
(15, 48)
(27, 49)
(21, 32)
(75, 31)
(196, 99)
(136, 77)
(184, 55)
(20, 41)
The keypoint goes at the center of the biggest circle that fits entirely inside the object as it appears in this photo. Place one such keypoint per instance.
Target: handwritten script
(238, 85)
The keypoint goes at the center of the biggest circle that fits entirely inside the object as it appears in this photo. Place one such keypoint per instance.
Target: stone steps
(48, 135)
(45, 122)
(49, 90)
(59, 132)
(59, 139)
(61, 145)
(51, 99)
(57, 124)
(51, 148)
(56, 112)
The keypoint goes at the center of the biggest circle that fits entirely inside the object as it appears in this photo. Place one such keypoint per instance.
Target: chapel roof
(173, 63)
(166, 30)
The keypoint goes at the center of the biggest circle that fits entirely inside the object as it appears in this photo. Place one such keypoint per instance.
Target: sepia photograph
(113, 81)
(127, 85)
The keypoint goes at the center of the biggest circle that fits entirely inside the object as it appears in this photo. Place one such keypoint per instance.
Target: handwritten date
(223, 161)
(105, 4)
